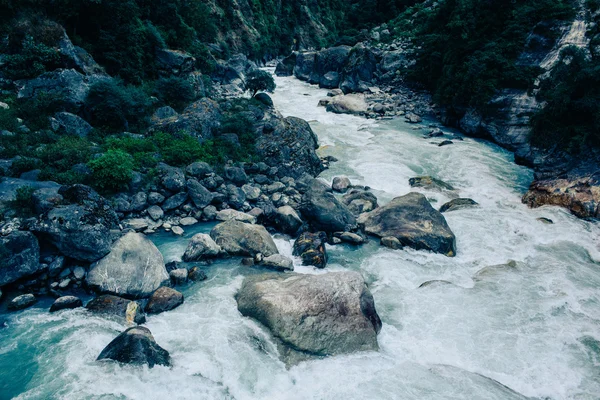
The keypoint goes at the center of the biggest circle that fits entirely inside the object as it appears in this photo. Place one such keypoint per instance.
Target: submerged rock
(136, 346)
(311, 248)
(21, 302)
(66, 302)
(458, 204)
(107, 304)
(412, 221)
(316, 315)
(134, 268)
(164, 299)
(430, 183)
(240, 239)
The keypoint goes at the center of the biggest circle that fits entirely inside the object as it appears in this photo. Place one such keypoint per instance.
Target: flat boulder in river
(240, 239)
(414, 222)
(317, 315)
(136, 346)
(134, 268)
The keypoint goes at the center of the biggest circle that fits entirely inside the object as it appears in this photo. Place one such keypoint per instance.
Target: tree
(259, 80)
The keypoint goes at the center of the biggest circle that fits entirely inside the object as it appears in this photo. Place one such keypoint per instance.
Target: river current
(530, 329)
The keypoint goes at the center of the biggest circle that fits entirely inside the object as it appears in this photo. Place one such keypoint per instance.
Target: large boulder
(66, 302)
(136, 346)
(22, 302)
(71, 124)
(360, 69)
(123, 309)
(328, 66)
(201, 247)
(305, 63)
(238, 238)
(414, 222)
(20, 256)
(198, 119)
(318, 315)
(458, 204)
(134, 268)
(286, 66)
(311, 248)
(347, 104)
(200, 195)
(581, 195)
(287, 220)
(323, 210)
(174, 62)
(164, 299)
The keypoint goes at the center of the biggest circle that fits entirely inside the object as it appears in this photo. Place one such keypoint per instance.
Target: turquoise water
(532, 331)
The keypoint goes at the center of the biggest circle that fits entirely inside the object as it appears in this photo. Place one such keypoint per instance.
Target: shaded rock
(136, 346)
(235, 196)
(278, 262)
(323, 210)
(311, 248)
(139, 201)
(360, 69)
(236, 175)
(286, 66)
(163, 112)
(304, 65)
(350, 237)
(172, 178)
(66, 302)
(287, 220)
(137, 224)
(413, 118)
(229, 215)
(458, 204)
(209, 213)
(134, 268)
(175, 201)
(359, 201)
(20, 258)
(201, 247)
(391, 242)
(155, 198)
(341, 183)
(128, 310)
(317, 315)
(238, 238)
(265, 99)
(198, 119)
(412, 221)
(71, 124)
(164, 299)
(21, 302)
(174, 62)
(200, 195)
(445, 143)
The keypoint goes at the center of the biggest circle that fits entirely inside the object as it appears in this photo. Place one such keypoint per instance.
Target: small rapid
(481, 327)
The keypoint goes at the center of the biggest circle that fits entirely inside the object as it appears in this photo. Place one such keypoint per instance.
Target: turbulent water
(506, 332)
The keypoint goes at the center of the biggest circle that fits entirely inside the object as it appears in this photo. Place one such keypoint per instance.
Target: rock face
(311, 248)
(134, 268)
(581, 196)
(66, 302)
(128, 310)
(328, 66)
(164, 299)
(240, 239)
(412, 221)
(360, 69)
(201, 247)
(136, 346)
(21, 258)
(323, 210)
(317, 315)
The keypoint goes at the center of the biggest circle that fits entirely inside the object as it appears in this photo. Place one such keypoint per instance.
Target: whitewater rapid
(527, 330)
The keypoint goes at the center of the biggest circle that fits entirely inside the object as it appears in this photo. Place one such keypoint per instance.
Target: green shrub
(23, 202)
(259, 80)
(175, 91)
(24, 164)
(181, 149)
(112, 171)
(33, 59)
(66, 152)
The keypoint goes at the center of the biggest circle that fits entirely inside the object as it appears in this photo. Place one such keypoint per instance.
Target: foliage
(23, 202)
(175, 91)
(113, 170)
(33, 59)
(259, 80)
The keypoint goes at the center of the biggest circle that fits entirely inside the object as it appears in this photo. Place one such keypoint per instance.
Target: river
(530, 330)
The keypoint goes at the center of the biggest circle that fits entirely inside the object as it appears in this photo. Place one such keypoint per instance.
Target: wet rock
(20, 257)
(137, 224)
(391, 242)
(341, 183)
(412, 221)
(359, 201)
(45, 199)
(233, 215)
(164, 299)
(413, 118)
(136, 346)
(580, 195)
(430, 183)
(458, 204)
(128, 310)
(201, 247)
(177, 230)
(66, 302)
(238, 238)
(311, 248)
(22, 302)
(317, 315)
(547, 221)
(179, 276)
(445, 143)
(350, 237)
(278, 262)
(188, 221)
(195, 274)
(287, 220)
(323, 210)
(265, 99)
(133, 268)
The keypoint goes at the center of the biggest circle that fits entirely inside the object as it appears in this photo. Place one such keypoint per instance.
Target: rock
(162, 113)
(430, 183)
(200, 195)
(341, 183)
(350, 237)
(286, 66)
(56, 266)
(196, 274)
(347, 104)
(359, 201)
(198, 119)
(311, 248)
(136, 346)
(21, 302)
(238, 238)
(155, 198)
(66, 302)
(287, 220)
(412, 221)
(580, 195)
(413, 118)
(174, 62)
(252, 193)
(172, 178)
(137, 224)
(334, 92)
(177, 230)
(164, 299)
(79, 273)
(304, 65)
(391, 242)
(107, 304)
(236, 175)
(179, 276)
(317, 315)
(134, 268)
(45, 199)
(199, 169)
(360, 69)
(71, 124)
(20, 256)
(229, 215)
(445, 143)
(155, 212)
(278, 262)
(235, 196)
(275, 187)
(458, 204)
(546, 221)
(9, 186)
(187, 221)
(209, 213)
(64, 283)
(323, 210)
(265, 99)
(139, 201)
(175, 201)
(328, 66)
(201, 247)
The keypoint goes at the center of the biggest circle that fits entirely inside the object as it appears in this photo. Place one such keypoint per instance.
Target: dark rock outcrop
(20, 258)
(136, 346)
(22, 302)
(323, 210)
(198, 119)
(458, 204)
(66, 302)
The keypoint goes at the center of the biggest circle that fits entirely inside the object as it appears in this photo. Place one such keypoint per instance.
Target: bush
(181, 149)
(112, 171)
(259, 80)
(23, 202)
(33, 59)
(175, 91)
